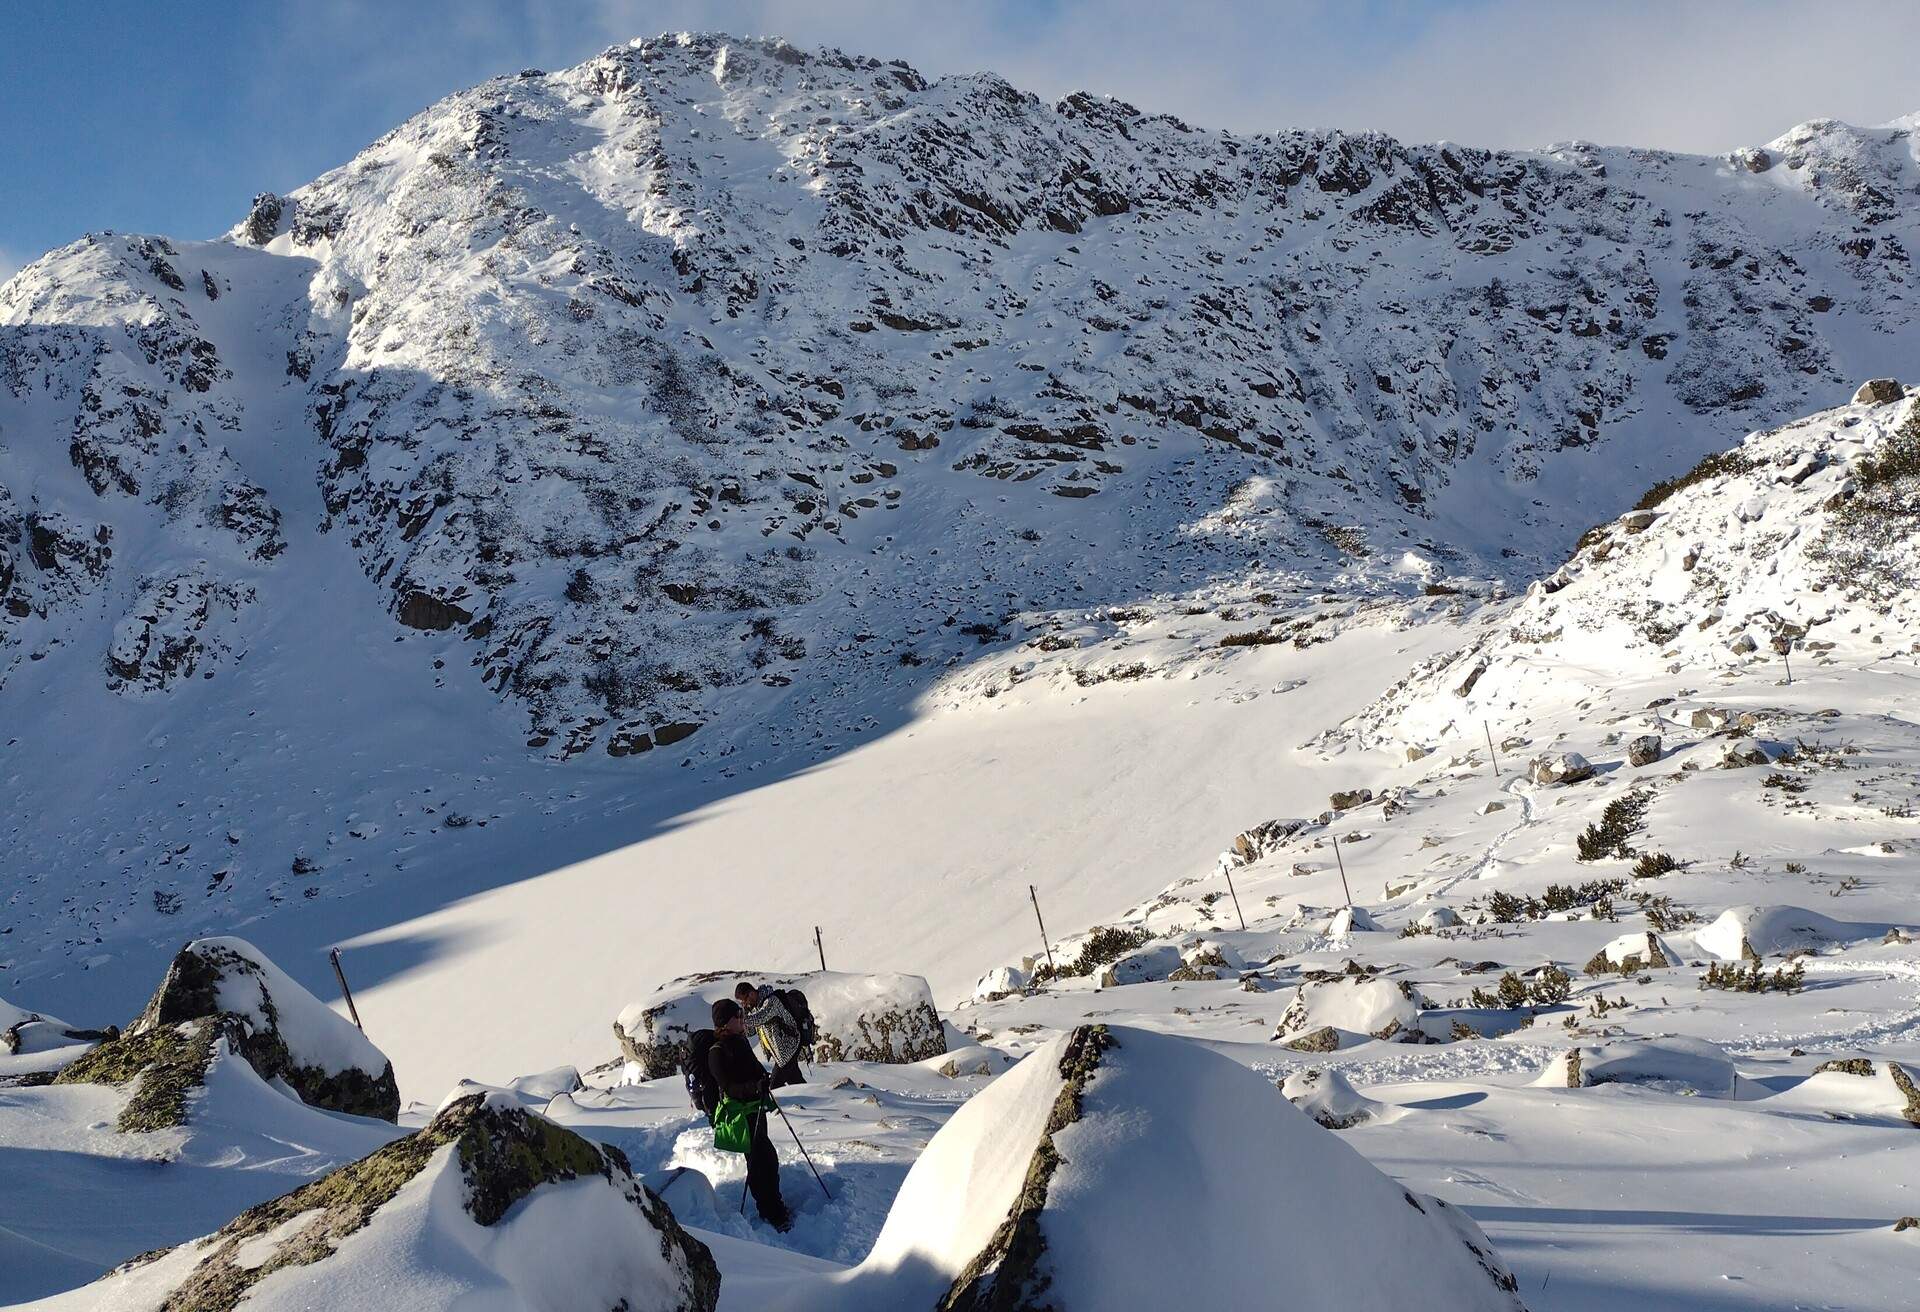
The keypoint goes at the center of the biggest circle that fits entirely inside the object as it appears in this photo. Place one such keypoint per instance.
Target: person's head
(745, 994)
(728, 1018)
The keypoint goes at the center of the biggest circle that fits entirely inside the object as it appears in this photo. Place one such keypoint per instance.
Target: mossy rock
(504, 1154)
(1324, 1039)
(1008, 1274)
(175, 1033)
(164, 1064)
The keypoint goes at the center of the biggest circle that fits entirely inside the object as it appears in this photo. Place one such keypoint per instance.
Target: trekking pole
(1492, 755)
(802, 1147)
(333, 955)
(1227, 870)
(1343, 871)
(1044, 942)
(821, 950)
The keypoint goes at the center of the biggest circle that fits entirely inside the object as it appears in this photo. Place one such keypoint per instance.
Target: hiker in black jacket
(767, 1016)
(742, 1078)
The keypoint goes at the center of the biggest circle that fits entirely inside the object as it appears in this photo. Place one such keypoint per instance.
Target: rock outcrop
(882, 1018)
(223, 991)
(1120, 1168)
(489, 1203)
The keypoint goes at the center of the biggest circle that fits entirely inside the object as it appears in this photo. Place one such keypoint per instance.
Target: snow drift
(1121, 1168)
(884, 1018)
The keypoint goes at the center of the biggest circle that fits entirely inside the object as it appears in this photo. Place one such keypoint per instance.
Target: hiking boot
(783, 1222)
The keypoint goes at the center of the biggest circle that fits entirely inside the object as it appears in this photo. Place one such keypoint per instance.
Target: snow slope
(698, 413)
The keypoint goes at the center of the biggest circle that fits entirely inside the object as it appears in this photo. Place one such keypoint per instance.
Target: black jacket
(735, 1069)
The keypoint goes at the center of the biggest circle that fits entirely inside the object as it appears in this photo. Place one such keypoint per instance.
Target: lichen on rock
(223, 989)
(503, 1154)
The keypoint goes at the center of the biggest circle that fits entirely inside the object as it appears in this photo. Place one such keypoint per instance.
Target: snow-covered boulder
(1000, 982)
(1632, 953)
(1673, 1063)
(1144, 966)
(1348, 919)
(1748, 933)
(1439, 918)
(1559, 768)
(1348, 800)
(1644, 749)
(1743, 753)
(1117, 1168)
(29, 1033)
(884, 1018)
(1330, 1098)
(1378, 1008)
(488, 1205)
(225, 991)
(1210, 954)
(1879, 391)
(535, 1092)
(1859, 1087)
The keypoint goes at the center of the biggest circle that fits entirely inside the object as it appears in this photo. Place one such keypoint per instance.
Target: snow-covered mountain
(1425, 626)
(655, 383)
(735, 400)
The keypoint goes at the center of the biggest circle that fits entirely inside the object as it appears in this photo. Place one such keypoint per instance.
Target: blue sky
(168, 115)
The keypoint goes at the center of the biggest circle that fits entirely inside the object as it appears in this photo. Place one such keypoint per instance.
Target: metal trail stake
(1491, 754)
(1343, 871)
(821, 950)
(1043, 929)
(1227, 870)
(333, 955)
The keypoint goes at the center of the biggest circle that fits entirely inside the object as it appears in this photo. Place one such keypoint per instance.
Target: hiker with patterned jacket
(778, 1030)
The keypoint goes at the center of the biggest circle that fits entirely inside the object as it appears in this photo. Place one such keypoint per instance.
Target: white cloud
(1705, 76)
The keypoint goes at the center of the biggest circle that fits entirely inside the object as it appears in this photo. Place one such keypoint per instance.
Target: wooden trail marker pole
(821, 950)
(1492, 755)
(1343, 871)
(1227, 870)
(333, 955)
(1043, 928)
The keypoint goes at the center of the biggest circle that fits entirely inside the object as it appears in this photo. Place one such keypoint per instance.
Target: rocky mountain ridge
(656, 384)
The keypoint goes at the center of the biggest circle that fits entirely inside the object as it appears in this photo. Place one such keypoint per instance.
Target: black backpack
(702, 1090)
(796, 1004)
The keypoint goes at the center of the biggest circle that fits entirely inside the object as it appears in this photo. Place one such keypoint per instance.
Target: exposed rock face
(1008, 1272)
(1644, 750)
(883, 1018)
(1879, 391)
(1347, 801)
(1561, 768)
(224, 990)
(502, 1154)
(1263, 839)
